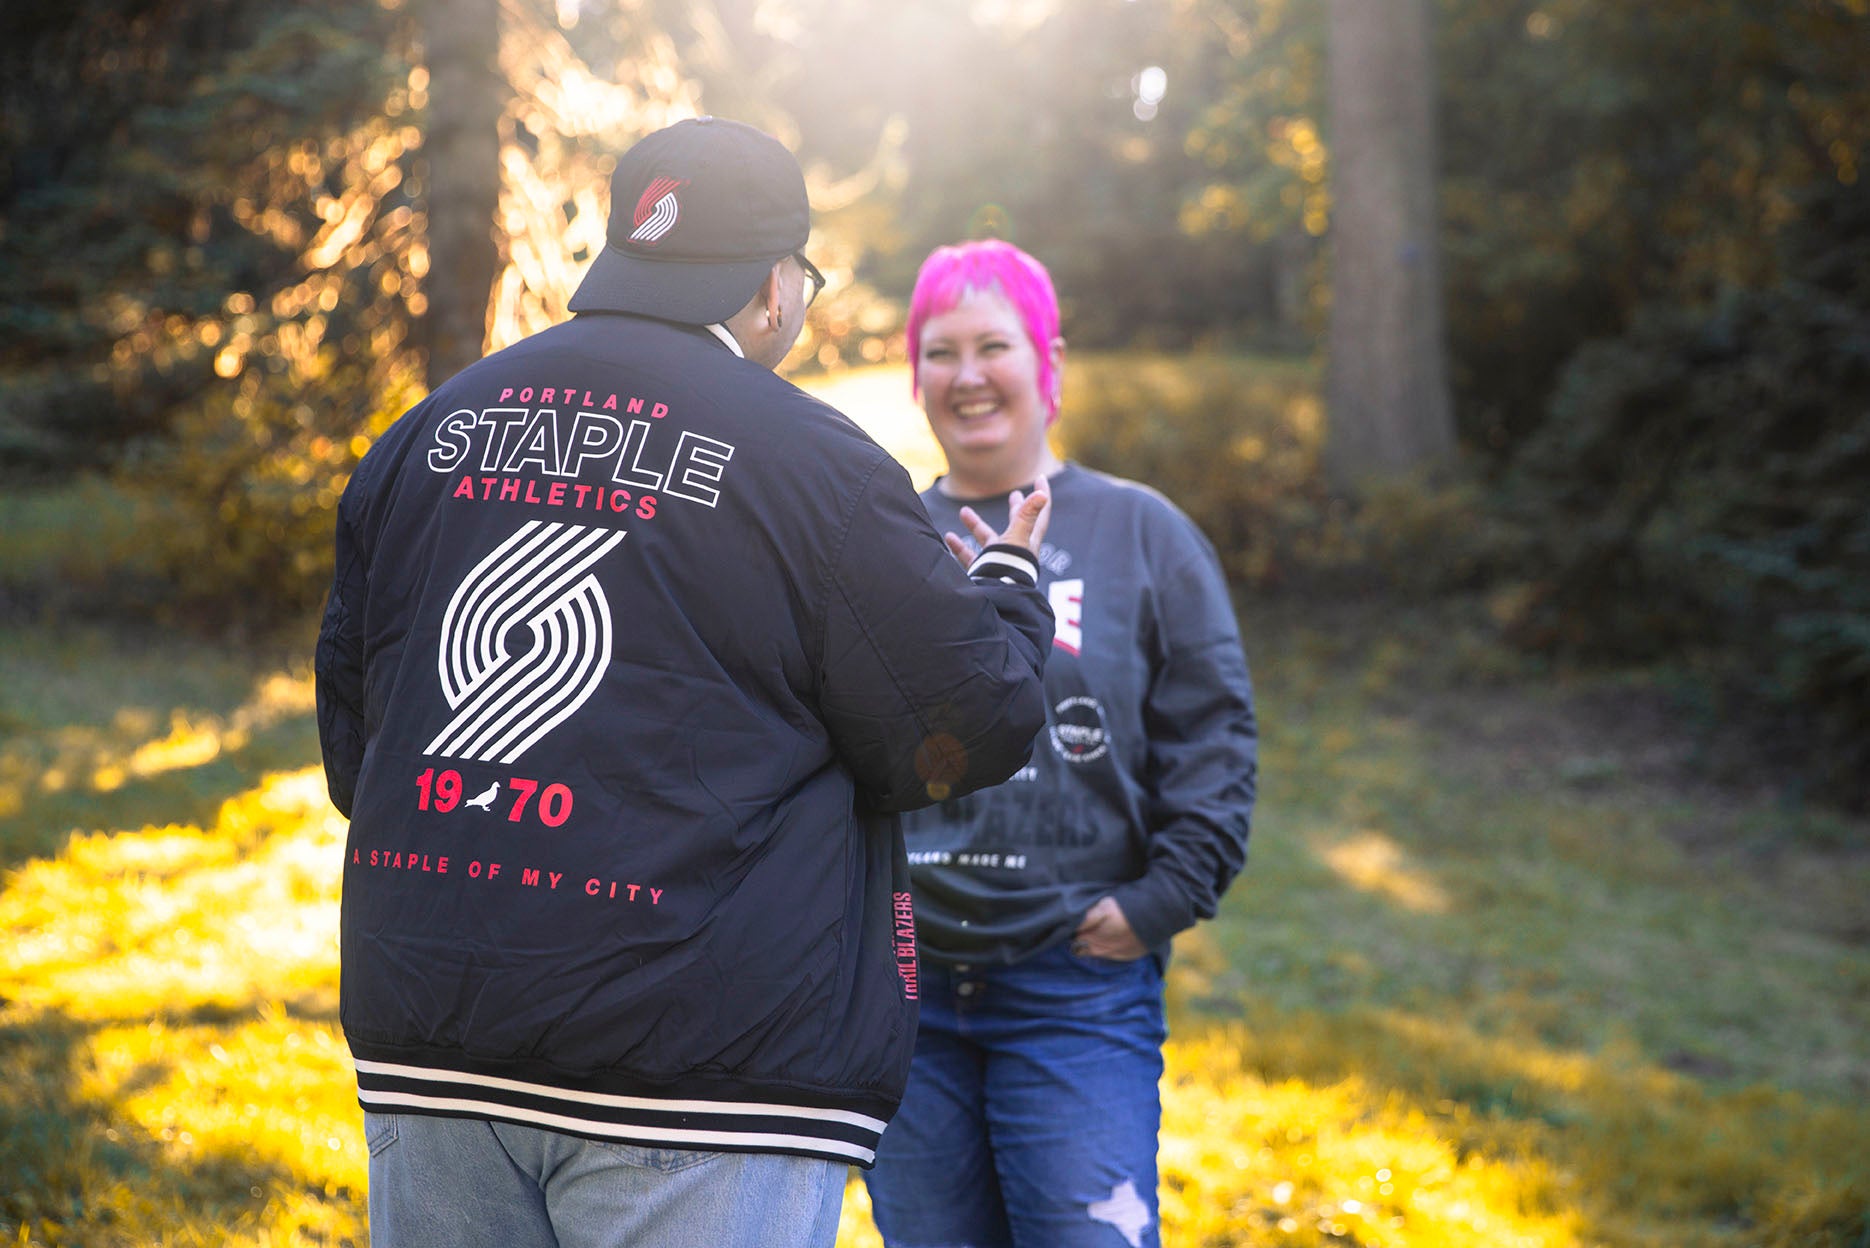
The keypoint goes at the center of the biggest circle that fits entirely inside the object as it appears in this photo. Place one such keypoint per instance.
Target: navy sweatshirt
(1142, 785)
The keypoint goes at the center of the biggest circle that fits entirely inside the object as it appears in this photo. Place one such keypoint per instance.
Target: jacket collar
(720, 331)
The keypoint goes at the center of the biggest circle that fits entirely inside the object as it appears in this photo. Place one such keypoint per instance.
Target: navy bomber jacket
(633, 655)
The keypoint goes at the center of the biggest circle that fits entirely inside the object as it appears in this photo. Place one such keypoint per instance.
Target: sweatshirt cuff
(1004, 561)
(1155, 912)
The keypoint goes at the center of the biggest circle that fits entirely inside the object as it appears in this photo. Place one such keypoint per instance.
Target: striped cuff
(1004, 561)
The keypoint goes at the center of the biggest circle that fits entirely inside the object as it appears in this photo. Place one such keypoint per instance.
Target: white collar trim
(733, 344)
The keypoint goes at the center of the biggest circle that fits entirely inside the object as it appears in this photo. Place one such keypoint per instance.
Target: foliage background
(1556, 990)
(214, 269)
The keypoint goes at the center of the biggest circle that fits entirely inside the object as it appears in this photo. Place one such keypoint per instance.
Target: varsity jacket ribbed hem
(726, 1117)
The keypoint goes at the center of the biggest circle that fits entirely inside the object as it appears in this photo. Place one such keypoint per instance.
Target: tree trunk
(461, 45)
(1386, 386)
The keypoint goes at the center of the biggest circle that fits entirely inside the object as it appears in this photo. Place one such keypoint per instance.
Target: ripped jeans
(1032, 1110)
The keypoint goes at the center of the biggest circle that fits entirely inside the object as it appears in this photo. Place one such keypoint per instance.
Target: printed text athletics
(515, 439)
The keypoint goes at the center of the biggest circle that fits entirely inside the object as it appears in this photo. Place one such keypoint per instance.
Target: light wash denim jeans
(470, 1183)
(1032, 1110)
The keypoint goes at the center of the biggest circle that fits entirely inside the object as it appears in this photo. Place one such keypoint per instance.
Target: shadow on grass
(79, 1170)
(94, 736)
(45, 821)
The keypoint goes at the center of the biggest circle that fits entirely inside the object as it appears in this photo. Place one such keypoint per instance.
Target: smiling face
(979, 377)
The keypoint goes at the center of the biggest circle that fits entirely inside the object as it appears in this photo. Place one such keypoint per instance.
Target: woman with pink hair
(1045, 907)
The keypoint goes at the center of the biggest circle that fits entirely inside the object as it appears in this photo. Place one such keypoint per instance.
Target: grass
(1501, 971)
(171, 1065)
(1498, 973)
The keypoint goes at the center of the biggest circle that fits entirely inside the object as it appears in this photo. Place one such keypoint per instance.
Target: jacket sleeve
(339, 666)
(929, 677)
(1203, 754)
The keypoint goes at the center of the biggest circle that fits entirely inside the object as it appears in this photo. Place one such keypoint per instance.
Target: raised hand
(1028, 517)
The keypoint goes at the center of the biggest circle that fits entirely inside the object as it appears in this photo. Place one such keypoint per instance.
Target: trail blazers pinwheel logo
(506, 693)
(657, 210)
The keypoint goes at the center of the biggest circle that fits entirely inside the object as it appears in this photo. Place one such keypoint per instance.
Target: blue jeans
(471, 1183)
(1032, 1110)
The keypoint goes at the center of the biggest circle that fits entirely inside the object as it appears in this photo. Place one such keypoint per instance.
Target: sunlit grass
(131, 923)
(1440, 1010)
(171, 1065)
(1489, 977)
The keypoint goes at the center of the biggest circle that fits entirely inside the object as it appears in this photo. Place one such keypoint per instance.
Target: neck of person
(996, 475)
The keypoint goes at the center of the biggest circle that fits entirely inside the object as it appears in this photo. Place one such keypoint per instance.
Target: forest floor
(1507, 966)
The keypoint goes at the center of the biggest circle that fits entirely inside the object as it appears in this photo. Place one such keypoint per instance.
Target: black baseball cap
(699, 213)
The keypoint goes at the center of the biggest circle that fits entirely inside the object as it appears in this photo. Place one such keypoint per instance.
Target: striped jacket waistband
(656, 1122)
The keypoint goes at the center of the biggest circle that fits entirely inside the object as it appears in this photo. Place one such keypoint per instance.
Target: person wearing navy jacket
(633, 655)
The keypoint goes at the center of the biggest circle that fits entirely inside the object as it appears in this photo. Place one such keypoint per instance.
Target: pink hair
(951, 274)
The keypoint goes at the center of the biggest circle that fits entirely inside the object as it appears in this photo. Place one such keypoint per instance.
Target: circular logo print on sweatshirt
(1077, 730)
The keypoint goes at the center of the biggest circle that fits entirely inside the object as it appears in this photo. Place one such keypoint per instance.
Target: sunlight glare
(1373, 863)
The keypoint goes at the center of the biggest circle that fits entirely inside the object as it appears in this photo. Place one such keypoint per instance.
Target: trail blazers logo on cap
(657, 210)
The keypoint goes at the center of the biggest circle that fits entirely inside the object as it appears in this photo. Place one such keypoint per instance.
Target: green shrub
(236, 510)
(1231, 440)
(1699, 491)
(1234, 441)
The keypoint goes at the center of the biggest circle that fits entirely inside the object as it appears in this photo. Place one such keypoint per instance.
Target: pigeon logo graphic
(485, 800)
(657, 210)
(525, 641)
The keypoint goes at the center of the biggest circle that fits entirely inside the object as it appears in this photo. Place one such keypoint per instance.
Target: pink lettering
(595, 886)
(466, 487)
(582, 491)
(556, 876)
(529, 876)
(636, 405)
(659, 411)
(509, 490)
(610, 404)
(531, 494)
(556, 495)
(506, 394)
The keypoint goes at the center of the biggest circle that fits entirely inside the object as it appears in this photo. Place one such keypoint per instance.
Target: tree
(193, 198)
(468, 94)
(1387, 386)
